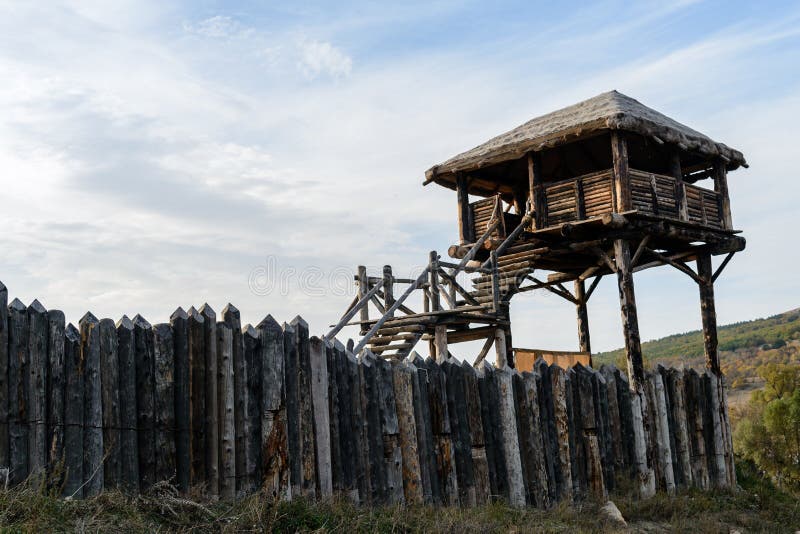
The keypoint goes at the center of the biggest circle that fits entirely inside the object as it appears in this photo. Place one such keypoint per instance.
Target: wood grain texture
(112, 424)
(164, 379)
(129, 449)
(37, 381)
(55, 389)
(73, 414)
(145, 401)
(93, 473)
(180, 350)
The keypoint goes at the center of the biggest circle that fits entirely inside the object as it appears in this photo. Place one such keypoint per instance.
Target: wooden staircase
(451, 313)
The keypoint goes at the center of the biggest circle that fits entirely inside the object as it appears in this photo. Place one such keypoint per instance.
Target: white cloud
(218, 27)
(322, 58)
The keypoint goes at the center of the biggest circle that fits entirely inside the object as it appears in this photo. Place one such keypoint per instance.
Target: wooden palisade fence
(222, 410)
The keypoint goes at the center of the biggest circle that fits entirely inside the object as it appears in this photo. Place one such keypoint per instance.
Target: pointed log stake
(308, 480)
(231, 317)
(211, 413)
(508, 425)
(180, 350)
(253, 438)
(164, 358)
(145, 401)
(227, 430)
(274, 445)
(92, 408)
(73, 414)
(55, 389)
(109, 377)
(4, 404)
(37, 380)
(129, 449)
(197, 398)
(17, 394)
(404, 375)
(319, 399)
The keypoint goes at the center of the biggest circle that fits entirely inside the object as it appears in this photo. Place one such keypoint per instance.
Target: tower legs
(630, 319)
(708, 313)
(583, 317)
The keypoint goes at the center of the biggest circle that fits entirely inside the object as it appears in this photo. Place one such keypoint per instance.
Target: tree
(768, 432)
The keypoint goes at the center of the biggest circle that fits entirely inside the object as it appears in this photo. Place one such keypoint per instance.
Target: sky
(156, 155)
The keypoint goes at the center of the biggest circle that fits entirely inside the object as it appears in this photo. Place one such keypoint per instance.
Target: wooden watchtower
(606, 186)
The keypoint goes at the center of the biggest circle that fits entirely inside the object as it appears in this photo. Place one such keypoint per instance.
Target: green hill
(743, 347)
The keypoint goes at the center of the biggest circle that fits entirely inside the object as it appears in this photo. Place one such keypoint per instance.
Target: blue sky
(155, 155)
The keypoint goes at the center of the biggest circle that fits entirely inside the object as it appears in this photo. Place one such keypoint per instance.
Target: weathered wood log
(561, 420)
(197, 398)
(645, 475)
(73, 413)
(727, 433)
(487, 386)
(651, 432)
(693, 396)
(129, 447)
(164, 378)
(595, 483)
(615, 427)
(145, 401)
(392, 455)
(274, 445)
(225, 409)
(582, 312)
(253, 438)
(708, 313)
(508, 426)
(720, 466)
(37, 381)
(577, 456)
(630, 320)
(17, 392)
(307, 438)
(604, 429)
(442, 439)
(320, 405)
(526, 446)
(92, 407)
(211, 423)
(622, 181)
(55, 389)
(180, 350)
(4, 389)
(626, 420)
(373, 440)
(291, 364)
(676, 388)
(555, 480)
(112, 423)
(541, 490)
(334, 355)
(668, 399)
(662, 434)
(358, 423)
(480, 463)
(403, 379)
(428, 474)
(459, 430)
(231, 317)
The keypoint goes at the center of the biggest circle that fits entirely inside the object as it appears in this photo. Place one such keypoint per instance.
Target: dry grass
(33, 507)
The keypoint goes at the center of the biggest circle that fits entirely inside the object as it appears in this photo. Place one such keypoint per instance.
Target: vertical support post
(433, 279)
(465, 226)
(501, 351)
(630, 320)
(440, 342)
(388, 288)
(583, 318)
(622, 185)
(495, 283)
(536, 189)
(708, 313)
(363, 289)
(680, 186)
(721, 188)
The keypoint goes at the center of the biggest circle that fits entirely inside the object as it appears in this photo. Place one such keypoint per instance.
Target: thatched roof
(607, 111)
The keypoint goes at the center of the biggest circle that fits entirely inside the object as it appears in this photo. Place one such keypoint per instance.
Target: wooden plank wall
(222, 410)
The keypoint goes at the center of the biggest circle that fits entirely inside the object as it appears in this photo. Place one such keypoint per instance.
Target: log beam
(583, 317)
(708, 313)
(630, 320)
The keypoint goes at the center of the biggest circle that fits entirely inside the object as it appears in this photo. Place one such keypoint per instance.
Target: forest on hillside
(744, 347)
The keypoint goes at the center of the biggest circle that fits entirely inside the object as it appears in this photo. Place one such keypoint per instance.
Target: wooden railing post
(466, 232)
(723, 198)
(363, 289)
(622, 181)
(388, 287)
(495, 282)
(536, 187)
(680, 186)
(433, 280)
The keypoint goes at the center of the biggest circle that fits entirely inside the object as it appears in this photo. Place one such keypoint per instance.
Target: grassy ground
(759, 507)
